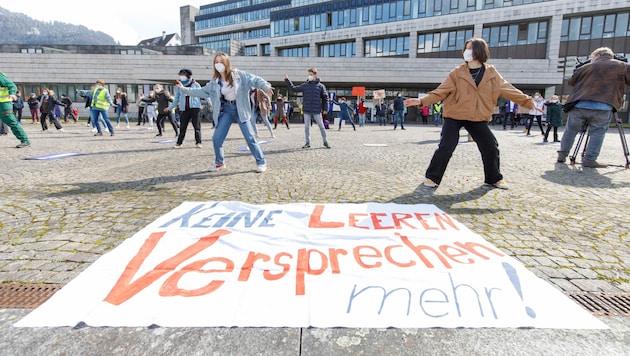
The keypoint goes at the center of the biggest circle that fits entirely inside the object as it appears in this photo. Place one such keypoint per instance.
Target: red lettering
(419, 250)
(400, 218)
(352, 220)
(388, 256)
(444, 218)
(424, 223)
(170, 288)
(246, 268)
(376, 221)
(125, 289)
(334, 261)
(316, 220)
(285, 267)
(358, 256)
(304, 267)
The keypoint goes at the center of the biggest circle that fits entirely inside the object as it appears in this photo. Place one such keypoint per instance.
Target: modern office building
(410, 45)
(406, 46)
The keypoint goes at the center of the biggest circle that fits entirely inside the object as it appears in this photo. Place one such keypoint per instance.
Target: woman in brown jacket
(469, 94)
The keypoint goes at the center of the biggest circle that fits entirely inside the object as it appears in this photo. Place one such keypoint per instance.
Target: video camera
(615, 56)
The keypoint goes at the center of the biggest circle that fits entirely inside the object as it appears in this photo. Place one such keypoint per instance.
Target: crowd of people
(467, 99)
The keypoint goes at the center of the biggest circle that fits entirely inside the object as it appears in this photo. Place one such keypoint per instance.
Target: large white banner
(300, 265)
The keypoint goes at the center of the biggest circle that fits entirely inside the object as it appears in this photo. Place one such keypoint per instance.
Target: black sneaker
(306, 146)
(326, 145)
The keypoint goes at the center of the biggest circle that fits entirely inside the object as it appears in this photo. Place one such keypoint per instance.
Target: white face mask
(310, 78)
(183, 78)
(468, 55)
(220, 67)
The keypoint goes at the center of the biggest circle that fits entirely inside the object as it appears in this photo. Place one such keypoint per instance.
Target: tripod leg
(624, 143)
(578, 144)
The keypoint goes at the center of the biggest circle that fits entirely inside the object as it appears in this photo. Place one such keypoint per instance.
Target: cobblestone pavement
(566, 224)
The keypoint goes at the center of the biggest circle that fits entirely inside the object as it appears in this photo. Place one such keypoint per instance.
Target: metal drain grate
(603, 304)
(26, 296)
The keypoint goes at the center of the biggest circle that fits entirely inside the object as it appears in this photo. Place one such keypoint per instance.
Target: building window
(329, 20)
(593, 27)
(266, 50)
(294, 52)
(387, 47)
(443, 41)
(342, 49)
(516, 34)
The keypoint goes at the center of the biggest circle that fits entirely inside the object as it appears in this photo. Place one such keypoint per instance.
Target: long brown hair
(228, 68)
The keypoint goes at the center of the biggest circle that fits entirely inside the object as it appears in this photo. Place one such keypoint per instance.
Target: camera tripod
(622, 136)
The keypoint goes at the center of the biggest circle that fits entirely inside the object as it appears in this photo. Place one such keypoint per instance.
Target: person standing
(188, 108)
(315, 103)
(437, 113)
(33, 105)
(344, 112)
(99, 104)
(8, 91)
(511, 109)
(381, 112)
(67, 110)
(261, 106)
(47, 105)
(425, 115)
(151, 117)
(535, 114)
(554, 118)
(362, 110)
(477, 85)
(598, 91)
(399, 111)
(122, 107)
(281, 110)
(229, 93)
(141, 106)
(162, 98)
(18, 106)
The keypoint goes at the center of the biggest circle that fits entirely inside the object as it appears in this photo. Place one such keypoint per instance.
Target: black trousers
(483, 137)
(190, 115)
(52, 118)
(160, 122)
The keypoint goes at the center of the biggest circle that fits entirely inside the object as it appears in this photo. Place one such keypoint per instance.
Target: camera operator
(598, 89)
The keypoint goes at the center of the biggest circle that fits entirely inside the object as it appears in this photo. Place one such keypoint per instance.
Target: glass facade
(596, 26)
(340, 14)
(387, 47)
(342, 49)
(302, 51)
(443, 41)
(516, 34)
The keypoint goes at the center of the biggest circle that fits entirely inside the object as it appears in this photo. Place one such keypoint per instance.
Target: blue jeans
(227, 116)
(119, 111)
(597, 121)
(94, 112)
(437, 119)
(399, 115)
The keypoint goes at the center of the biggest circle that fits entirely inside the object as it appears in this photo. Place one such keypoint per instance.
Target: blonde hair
(602, 51)
(228, 68)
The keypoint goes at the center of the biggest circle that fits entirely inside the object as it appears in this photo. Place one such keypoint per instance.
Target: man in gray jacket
(315, 102)
(598, 89)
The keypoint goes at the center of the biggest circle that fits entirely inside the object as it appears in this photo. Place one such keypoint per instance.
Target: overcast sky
(127, 21)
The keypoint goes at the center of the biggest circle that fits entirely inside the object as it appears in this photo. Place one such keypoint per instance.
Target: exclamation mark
(511, 272)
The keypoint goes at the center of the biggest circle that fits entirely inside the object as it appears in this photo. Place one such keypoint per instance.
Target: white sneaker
(93, 130)
(177, 146)
(217, 167)
(261, 168)
(127, 126)
(199, 145)
(117, 126)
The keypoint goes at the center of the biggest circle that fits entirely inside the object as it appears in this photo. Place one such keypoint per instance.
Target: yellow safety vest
(99, 100)
(4, 92)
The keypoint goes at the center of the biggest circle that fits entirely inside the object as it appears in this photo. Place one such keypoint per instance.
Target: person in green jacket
(8, 89)
(554, 117)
